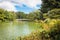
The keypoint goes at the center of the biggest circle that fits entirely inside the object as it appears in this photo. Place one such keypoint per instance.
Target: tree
(20, 15)
(38, 14)
(31, 16)
(49, 4)
(55, 13)
(6, 15)
(35, 15)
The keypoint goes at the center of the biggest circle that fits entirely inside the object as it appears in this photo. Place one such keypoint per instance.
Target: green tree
(20, 15)
(31, 16)
(55, 13)
(49, 4)
(38, 14)
(35, 15)
(6, 15)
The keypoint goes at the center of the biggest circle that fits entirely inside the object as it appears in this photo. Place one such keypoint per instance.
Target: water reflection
(11, 30)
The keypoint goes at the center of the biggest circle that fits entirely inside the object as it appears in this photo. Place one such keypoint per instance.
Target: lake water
(11, 30)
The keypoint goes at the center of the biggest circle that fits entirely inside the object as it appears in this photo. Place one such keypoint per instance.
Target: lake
(12, 30)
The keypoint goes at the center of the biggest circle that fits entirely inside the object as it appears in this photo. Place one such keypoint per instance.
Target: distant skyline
(20, 5)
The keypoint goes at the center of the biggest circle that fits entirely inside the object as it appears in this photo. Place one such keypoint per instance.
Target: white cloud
(10, 4)
(32, 3)
(29, 3)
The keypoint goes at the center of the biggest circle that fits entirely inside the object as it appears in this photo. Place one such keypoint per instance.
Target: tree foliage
(6, 15)
(49, 4)
(32, 15)
(20, 15)
(55, 13)
(35, 15)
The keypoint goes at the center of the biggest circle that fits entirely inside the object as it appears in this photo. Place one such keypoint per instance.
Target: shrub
(51, 31)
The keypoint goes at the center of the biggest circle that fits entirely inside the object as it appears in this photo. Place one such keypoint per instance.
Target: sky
(20, 5)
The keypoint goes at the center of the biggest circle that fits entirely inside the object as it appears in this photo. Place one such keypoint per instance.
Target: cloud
(10, 4)
(33, 3)
(29, 3)
(7, 6)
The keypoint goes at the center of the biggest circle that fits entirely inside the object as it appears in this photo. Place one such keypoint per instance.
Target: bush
(54, 31)
(50, 31)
